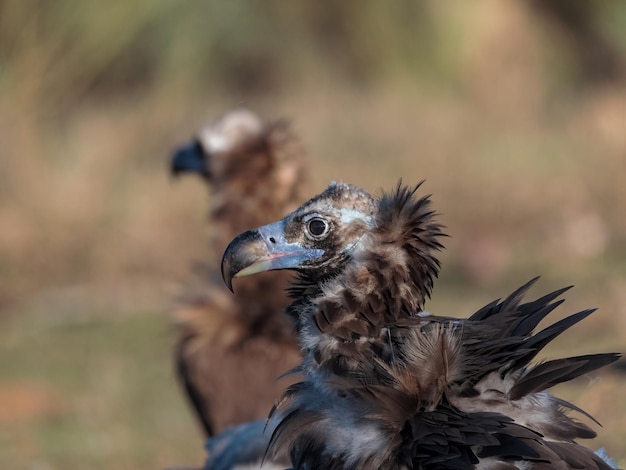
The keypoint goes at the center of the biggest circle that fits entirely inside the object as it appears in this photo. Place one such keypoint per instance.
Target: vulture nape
(231, 350)
(389, 386)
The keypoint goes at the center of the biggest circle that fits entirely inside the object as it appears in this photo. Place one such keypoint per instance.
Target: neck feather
(345, 320)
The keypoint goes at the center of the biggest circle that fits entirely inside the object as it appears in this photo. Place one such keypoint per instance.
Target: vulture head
(345, 228)
(209, 153)
(319, 236)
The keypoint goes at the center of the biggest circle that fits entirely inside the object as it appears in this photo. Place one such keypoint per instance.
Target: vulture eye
(317, 227)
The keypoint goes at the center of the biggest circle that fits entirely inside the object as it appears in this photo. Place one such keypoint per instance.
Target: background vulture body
(230, 350)
(242, 447)
(388, 386)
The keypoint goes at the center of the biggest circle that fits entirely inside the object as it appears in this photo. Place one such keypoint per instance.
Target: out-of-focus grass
(92, 392)
(525, 164)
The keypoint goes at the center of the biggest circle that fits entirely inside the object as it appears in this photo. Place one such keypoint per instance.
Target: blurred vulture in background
(387, 386)
(231, 350)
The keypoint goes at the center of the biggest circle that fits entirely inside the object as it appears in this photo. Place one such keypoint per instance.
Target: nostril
(272, 239)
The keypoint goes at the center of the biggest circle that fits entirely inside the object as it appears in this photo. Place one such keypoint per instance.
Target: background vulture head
(210, 153)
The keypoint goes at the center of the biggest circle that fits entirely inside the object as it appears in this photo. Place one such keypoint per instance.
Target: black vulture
(389, 386)
(230, 350)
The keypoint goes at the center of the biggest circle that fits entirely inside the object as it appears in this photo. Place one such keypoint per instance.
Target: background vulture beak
(189, 159)
(263, 249)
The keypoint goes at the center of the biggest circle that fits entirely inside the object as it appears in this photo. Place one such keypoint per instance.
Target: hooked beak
(189, 159)
(263, 249)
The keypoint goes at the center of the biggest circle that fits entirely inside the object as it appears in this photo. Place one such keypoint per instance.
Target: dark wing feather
(550, 373)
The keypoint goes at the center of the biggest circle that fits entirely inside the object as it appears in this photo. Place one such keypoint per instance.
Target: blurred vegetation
(514, 112)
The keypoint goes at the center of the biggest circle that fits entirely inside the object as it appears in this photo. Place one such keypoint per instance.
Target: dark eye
(317, 227)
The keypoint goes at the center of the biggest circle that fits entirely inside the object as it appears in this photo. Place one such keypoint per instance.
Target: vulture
(230, 350)
(386, 385)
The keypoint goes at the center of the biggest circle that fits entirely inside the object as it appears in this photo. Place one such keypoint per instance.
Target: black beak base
(189, 159)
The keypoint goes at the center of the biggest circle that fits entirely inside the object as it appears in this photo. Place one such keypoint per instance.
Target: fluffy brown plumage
(387, 386)
(230, 350)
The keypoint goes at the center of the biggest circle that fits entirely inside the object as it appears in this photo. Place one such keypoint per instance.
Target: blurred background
(513, 111)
